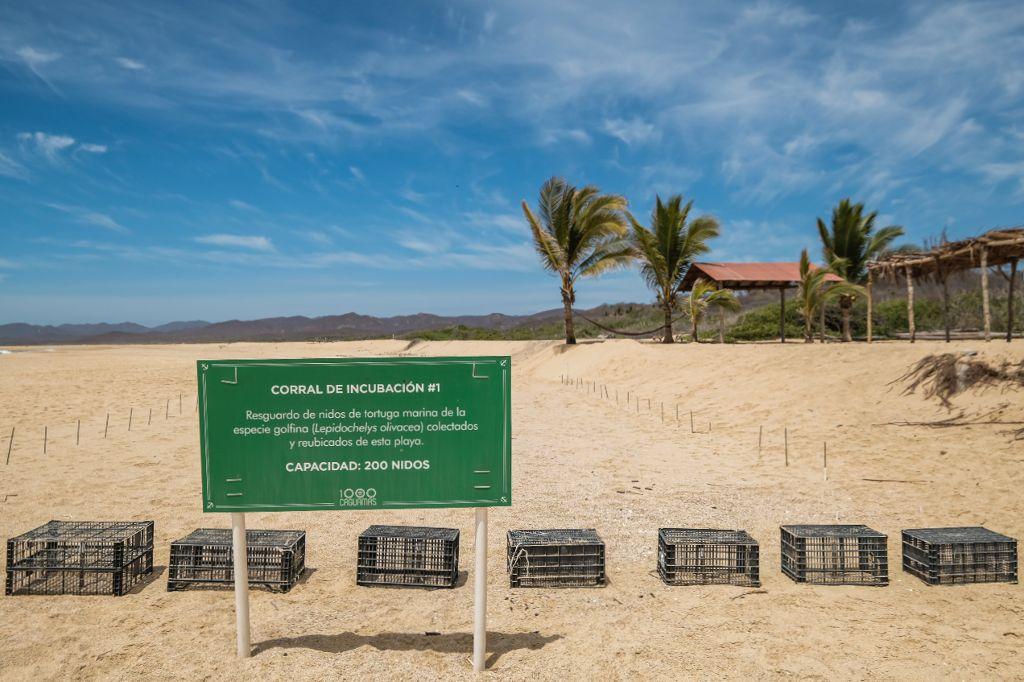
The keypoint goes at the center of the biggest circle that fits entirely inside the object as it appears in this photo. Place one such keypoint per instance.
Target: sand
(580, 460)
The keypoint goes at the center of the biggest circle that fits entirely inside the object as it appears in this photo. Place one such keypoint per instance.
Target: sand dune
(580, 459)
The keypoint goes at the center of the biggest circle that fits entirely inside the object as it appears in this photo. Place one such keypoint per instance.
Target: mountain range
(295, 328)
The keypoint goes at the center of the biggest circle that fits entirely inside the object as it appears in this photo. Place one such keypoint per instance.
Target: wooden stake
(663, 413)
(106, 426)
(78, 432)
(130, 411)
(46, 430)
(910, 306)
(677, 412)
(870, 306)
(785, 436)
(691, 421)
(760, 437)
(179, 403)
(167, 410)
(150, 422)
(10, 445)
(824, 460)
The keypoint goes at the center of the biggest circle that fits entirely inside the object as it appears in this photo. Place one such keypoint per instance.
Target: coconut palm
(814, 290)
(851, 243)
(578, 233)
(668, 248)
(705, 295)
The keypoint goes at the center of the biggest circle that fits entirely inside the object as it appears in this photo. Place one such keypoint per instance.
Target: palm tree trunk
(570, 331)
(668, 326)
(808, 326)
(846, 304)
(821, 322)
(693, 330)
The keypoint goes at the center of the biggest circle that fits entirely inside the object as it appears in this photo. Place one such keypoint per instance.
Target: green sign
(355, 433)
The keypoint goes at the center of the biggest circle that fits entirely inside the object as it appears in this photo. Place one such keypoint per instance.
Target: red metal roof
(748, 275)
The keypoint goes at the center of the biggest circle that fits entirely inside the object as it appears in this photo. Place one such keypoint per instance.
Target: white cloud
(11, 168)
(471, 96)
(93, 148)
(357, 173)
(632, 131)
(48, 145)
(130, 64)
(256, 243)
(35, 58)
(7, 263)
(556, 135)
(513, 222)
(89, 217)
(241, 205)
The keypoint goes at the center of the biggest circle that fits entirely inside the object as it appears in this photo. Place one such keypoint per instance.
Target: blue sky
(164, 161)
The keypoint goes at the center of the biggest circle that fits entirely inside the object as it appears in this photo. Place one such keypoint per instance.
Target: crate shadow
(147, 580)
(498, 643)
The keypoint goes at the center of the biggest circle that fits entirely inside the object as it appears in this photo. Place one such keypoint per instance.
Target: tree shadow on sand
(498, 643)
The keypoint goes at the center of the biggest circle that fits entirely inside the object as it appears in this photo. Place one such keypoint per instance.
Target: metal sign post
(240, 563)
(480, 592)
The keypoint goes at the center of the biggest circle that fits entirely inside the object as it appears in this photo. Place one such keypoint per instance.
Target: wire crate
(80, 557)
(408, 556)
(704, 556)
(555, 558)
(835, 555)
(276, 559)
(950, 556)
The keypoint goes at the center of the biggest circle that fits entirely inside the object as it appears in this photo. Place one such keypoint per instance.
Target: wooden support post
(986, 313)
(1009, 301)
(760, 438)
(870, 306)
(167, 410)
(179, 403)
(78, 432)
(10, 445)
(945, 299)
(782, 314)
(150, 421)
(691, 421)
(910, 306)
(131, 410)
(824, 460)
(785, 437)
(46, 430)
(106, 426)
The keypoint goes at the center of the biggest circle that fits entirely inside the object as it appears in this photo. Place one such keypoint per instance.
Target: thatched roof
(1001, 245)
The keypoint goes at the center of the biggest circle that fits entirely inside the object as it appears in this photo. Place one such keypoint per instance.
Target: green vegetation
(579, 233)
(666, 251)
(849, 245)
(705, 295)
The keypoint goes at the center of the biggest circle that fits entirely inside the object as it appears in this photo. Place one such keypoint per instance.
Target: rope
(659, 328)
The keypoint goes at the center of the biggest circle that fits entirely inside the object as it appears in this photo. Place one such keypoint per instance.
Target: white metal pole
(241, 570)
(480, 592)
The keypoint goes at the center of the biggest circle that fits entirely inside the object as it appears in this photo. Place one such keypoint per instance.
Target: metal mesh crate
(80, 557)
(555, 558)
(948, 556)
(408, 556)
(703, 556)
(835, 555)
(276, 558)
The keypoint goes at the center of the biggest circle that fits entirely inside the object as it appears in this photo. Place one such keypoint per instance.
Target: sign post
(480, 592)
(356, 433)
(240, 562)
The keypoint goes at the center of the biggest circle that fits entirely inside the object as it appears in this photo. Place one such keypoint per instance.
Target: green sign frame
(355, 433)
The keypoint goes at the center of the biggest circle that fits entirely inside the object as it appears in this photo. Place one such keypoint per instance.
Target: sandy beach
(581, 459)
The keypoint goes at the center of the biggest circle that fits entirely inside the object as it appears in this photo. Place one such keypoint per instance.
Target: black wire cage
(205, 557)
(835, 555)
(408, 556)
(80, 557)
(705, 556)
(956, 556)
(566, 557)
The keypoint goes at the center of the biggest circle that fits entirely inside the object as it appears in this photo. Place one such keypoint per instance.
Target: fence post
(10, 445)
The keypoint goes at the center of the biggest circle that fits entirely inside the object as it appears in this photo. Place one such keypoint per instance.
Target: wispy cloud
(256, 243)
(92, 148)
(631, 131)
(46, 144)
(130, 64)
(11, 168)
(88, 216)
(357, 173)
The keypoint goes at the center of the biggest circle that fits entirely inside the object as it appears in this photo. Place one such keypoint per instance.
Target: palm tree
(579, 233)
(814, 291)
(704, 295)
(850, 245)
(668, 248)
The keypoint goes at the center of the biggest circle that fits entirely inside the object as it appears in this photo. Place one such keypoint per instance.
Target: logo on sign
(358, 497)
